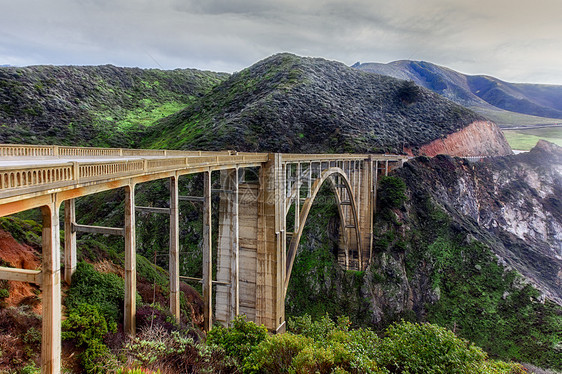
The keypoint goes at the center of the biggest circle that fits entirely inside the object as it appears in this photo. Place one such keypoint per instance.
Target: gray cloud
(514, 40)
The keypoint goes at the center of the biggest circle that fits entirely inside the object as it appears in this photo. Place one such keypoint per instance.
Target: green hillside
(92, 105)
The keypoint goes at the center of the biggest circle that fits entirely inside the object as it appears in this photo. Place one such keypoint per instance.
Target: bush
(239, 340)
(425, 348)
(391, 192)
(175, 352)
(329, 347)
(106, 291)
(276, 353)
(87, 327)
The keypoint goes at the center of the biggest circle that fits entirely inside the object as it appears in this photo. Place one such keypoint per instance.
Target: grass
(526, 139)
(149, 114)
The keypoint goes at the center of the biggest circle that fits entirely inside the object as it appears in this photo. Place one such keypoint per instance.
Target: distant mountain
(486, 95)
(92, 105)
(287, 103)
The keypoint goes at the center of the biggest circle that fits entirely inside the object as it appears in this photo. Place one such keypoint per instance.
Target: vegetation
(281, 104)
(325, 346)
(104, 291)
(92, 105)
(391, 192)
(87, 327)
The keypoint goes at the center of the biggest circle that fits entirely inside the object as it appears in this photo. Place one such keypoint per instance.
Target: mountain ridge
(482, 93)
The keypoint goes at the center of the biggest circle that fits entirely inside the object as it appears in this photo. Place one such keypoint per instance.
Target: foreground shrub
(159, 350)
(326, 346)
(425, 348)
(106, 291)
(86, 326)
(276, 353)
(239, 340)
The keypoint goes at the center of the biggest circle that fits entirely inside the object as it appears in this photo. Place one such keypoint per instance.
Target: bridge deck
(29, 172)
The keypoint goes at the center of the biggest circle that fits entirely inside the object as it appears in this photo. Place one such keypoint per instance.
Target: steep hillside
(92, 105)
(488, 96)
(287, 103)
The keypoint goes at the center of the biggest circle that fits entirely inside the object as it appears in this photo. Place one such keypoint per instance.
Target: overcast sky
(514, 40)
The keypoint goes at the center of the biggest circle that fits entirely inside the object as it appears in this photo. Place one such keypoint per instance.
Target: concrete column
(174, 250)
(227, 294)
(51, 291)
(69, 240)
(271, 256)
(130, 262)
(207, 254)
(235, 240)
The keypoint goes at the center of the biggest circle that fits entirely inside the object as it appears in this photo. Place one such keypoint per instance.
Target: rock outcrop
(512, 203)
(480, 138)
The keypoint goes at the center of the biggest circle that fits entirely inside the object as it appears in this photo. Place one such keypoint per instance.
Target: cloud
(514, 40)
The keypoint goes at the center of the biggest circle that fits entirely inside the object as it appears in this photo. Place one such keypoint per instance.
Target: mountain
(92, 105)
(287, 103)
(486, 95)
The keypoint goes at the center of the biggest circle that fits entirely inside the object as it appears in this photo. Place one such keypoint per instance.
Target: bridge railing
(18, 150)
(14, 178)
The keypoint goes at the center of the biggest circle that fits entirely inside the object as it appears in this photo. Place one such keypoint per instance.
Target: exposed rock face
(480, 138)
(512, 203)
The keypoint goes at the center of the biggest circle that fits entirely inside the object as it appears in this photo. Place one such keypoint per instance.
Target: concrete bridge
(256, 250)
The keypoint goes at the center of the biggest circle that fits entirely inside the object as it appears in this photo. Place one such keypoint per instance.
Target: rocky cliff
(512, 203)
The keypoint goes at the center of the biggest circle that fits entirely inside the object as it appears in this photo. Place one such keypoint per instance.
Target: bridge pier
(228, 261)
(207, 253)
(69, 240)
(174, 264)
(51, 289)
(130, 262)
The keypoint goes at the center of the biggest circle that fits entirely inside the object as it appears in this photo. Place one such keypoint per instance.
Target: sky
(514, 40)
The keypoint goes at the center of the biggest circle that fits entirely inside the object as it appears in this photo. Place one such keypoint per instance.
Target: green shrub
(276, 353)
(239, 340)
(87, 327)
(391, 192)
(136, 371)
(425, 348)
(106, 291)
(4, 293)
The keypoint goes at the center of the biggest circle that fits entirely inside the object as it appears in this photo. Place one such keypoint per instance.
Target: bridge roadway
(257, 237)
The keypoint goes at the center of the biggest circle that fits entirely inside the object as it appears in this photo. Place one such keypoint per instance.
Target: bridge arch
(333, 175)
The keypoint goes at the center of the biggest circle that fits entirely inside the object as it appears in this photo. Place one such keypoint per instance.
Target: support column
(174, 266)
(227, 294)
(130, 262)
(207, 254)
(69, 240)
(271, 256)
(235, 235)
(51, 291)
